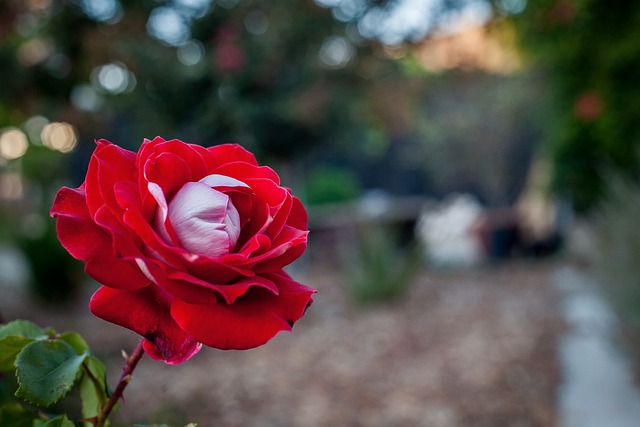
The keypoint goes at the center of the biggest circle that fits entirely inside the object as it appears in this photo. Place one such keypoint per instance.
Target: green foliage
(590, 52)
(15, 415)
(93, 387)
(61, 421)
(331, 185)
(46, 371)
(55, 275)
(9, 348)
(41, 367)
(14, 337)
(379, 269)
(24, 329)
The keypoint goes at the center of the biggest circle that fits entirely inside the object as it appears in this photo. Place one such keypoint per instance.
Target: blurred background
(470, 168)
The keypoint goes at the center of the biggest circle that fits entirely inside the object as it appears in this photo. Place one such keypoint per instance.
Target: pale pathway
(597, 388)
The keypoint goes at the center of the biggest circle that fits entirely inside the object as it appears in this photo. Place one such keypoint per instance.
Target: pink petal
(146, 312)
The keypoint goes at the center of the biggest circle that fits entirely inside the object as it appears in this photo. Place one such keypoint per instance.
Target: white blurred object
(448, 232)
(375, 204)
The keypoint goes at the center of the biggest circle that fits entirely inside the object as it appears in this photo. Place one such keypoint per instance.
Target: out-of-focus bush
(331, 185)
(377, 266)
(589, 52)
(27, 187)
(55, 276)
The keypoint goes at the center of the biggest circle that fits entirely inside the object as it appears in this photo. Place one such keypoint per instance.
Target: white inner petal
(204, 220)
(215, 180)
(161, 211)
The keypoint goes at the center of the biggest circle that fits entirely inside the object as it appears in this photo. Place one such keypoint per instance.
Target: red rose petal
(146, 312)
(189, 153)
(288, 238)
(86, 241)
(169, 171)
(140, 226)
(298, 216)
(269, 191)
(279, 218)
(229, 153)
(109, 164)
(243, 170)
(195, 291)
(271, 264)
(252, 321)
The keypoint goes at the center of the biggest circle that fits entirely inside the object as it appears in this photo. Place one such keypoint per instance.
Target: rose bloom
(189, 244)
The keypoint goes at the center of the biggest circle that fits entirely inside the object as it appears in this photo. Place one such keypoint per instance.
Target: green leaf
(10, 346)
(14, 415)
(76, 341)
(93, 388)
(24, 328)
(98, 372)
(46, 371)
(61, 421)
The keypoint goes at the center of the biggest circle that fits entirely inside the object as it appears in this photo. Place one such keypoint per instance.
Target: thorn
(124, 355)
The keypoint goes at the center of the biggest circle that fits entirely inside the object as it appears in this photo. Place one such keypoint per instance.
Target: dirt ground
(470, 348)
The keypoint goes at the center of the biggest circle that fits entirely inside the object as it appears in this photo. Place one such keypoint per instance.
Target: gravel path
(474, 348)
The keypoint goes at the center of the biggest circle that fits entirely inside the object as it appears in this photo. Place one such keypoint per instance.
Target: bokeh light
(113, 78)
(336, 52)
(13, 144)
(195, 9)
(35, 51)
(190, 53)
(108, 11)
(86, 98)
(33, 127)
(59, 136)
(256, 22)
(512, 6)
(11, 186)
(169, 26)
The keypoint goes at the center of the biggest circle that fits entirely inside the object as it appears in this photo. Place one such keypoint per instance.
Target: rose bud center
(203, 219)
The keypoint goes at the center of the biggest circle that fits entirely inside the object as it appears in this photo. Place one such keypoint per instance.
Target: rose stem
(132, 361)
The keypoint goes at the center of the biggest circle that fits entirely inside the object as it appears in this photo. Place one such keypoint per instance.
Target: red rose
(189, 244)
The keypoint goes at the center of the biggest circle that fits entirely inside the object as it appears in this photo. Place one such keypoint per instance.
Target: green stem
(132, 361)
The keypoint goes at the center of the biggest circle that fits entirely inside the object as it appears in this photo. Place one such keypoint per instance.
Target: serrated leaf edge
(26, 399)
